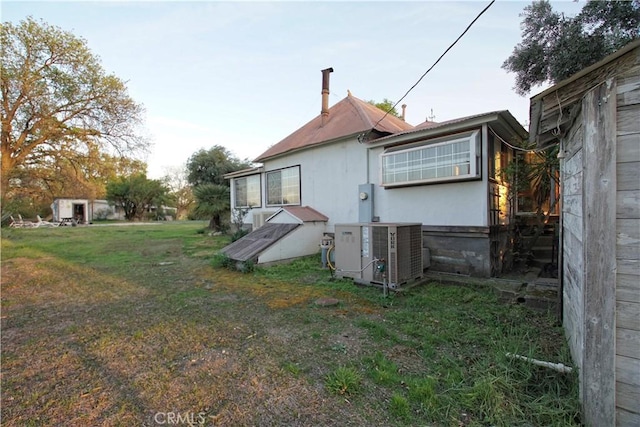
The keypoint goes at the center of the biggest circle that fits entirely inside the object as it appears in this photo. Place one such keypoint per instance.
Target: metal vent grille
(380, 246)
(380, 242)
(403, 253)
(409, 252)
(393, 269)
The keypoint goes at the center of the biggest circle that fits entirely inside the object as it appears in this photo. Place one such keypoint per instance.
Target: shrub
(238, 234)
(222, 260)
(246, 267)
(344, 381)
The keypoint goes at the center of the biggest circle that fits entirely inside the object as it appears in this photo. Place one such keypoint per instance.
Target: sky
(244, 75)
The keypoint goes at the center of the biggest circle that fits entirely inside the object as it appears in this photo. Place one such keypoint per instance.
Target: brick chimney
(404, 110)
(325, 94)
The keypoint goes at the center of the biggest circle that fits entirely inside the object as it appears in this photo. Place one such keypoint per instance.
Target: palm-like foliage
(542, 176)
(212, 201)
(206, 172)
(536, 177)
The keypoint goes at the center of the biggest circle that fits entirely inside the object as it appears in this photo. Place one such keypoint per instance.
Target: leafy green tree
(554, 47)
(180, 191)
(205, 172)
(136, 195)
(386, 105)
(58, 104)
(210, 166)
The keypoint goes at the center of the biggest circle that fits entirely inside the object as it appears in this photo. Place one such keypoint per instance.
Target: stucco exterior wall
(451, 203)
(439, 204)
(329, 175)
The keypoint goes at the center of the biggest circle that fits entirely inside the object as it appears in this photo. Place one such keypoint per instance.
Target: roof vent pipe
(325, 93)
(404, 111)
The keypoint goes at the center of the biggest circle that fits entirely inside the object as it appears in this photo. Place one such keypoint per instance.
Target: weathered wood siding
(599, 240)
(595, 116)
(628, 248)
(573, 248)
(556, 108)
(601, 247)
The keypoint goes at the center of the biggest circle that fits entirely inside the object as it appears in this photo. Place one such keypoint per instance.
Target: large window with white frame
(283, 186)
(247, 191)
(446, 159)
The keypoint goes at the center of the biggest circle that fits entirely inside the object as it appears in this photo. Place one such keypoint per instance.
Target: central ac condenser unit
(379, 252)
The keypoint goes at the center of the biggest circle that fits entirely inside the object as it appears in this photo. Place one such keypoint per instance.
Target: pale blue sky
(247, 74)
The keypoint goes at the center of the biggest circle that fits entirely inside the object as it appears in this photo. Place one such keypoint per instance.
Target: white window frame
(298, 185)
(259, 188)
(426, 160)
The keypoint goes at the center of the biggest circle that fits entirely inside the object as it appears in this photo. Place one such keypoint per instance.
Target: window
(248, 191)
(452, 159)
(283, 186)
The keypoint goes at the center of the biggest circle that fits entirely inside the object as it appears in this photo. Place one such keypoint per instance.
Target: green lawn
(134, 325)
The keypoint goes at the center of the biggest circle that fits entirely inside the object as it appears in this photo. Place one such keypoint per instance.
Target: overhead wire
(515, 147)
(434, 64)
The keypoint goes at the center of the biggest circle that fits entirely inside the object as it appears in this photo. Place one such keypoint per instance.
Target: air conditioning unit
(375, 252)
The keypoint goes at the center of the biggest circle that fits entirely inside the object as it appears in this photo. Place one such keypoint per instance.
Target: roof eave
(243, 172)
(503, 116)
(617, 54)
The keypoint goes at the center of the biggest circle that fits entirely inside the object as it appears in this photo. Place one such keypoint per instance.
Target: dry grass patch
(47, 281)
(109, 326)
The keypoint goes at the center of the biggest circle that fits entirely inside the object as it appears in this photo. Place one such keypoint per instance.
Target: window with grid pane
(283, 186)
(445, 160)
(247, 191)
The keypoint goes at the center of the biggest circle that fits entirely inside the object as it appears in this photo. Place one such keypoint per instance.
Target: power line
(526, 150)
(435, 63)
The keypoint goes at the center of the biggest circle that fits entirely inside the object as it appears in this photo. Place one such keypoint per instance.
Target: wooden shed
(595, 117)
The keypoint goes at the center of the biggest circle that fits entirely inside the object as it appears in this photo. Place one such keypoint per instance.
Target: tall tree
(210, 166)
(180, 191)
(58, 102)
(206, 170)
(554, 47)
(136, 195)
(386, 105)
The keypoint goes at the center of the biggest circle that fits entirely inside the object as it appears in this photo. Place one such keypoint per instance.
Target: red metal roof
(306, 213)
(348, 117)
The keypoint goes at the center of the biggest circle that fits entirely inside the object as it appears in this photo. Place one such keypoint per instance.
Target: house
(355, 164)
(83, 210)
(594, 116)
